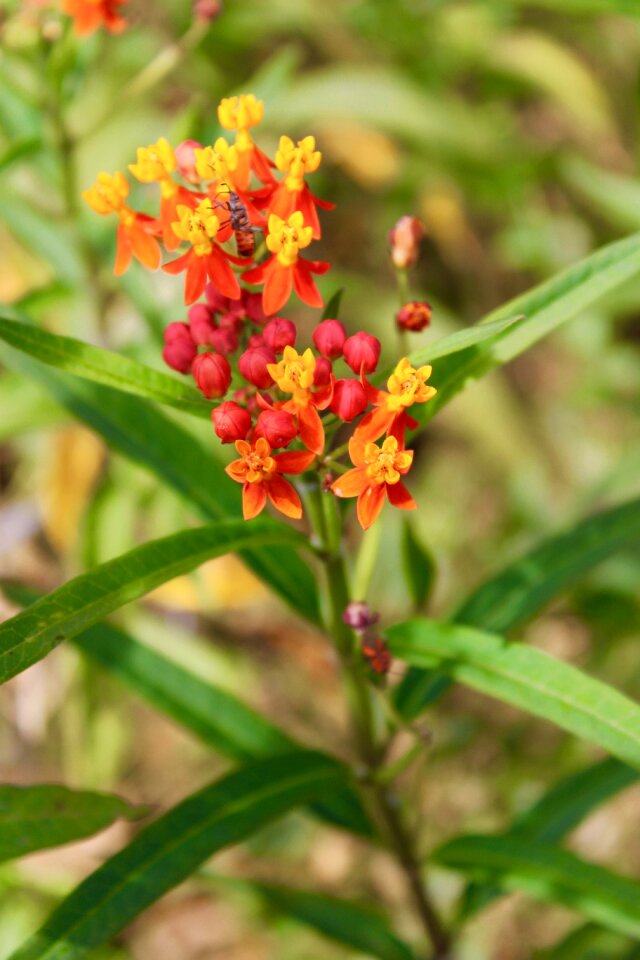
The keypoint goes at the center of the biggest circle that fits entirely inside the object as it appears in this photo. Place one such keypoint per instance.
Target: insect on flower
(240, 222)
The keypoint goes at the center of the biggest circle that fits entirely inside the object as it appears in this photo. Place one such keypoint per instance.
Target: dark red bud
(212, 374)
(359, 616)
(216, 300)
(201, 323)
(329, 338)
(277, 427)
(349, 399)
(231, 422)
(179, 350)
(252, 303)
(279, 333)
(256, 340)
(208, 9)
(253, 366)
(322, 373)
(224, 341)
(415, 315)
(186, 160)
(362, 352)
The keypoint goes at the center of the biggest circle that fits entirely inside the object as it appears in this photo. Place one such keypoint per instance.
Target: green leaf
(418, 565)
(526, 678)
(545, 308)
(590, 942)
(103, 366)
(557, 812)
(78, 604)
(174, 846)
(332, 309)
(34, 818)
(462, 340)
(549, 874)
(206, 710)
(47, 239)
(145, 435)
(509, 599)
(347, 923)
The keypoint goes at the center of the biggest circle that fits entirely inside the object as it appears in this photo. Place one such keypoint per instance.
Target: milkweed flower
(261, 474)
(295, 375)
(136, 231)
(241, 114)
(90, 15)
(406, 386)
(376, 477)
(286, 270)
(206, 259)
(155, 164)
(414, 316)
(292, 193)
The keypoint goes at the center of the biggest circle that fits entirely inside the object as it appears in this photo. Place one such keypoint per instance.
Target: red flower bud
(256, 340)
(231, 422)
(415, 315)
(252, 303)
(253, 366)
(224, 341)
(208, 9)
(329, 337)
(359, 615)
(186, 160)
(362, 352)
(279, 333)
(277, 427)
(323, 371)
(349, 399)
(404, 240)
(248, 398)
(201, 324)
(180, 349)
(212, 374)
(216, 300)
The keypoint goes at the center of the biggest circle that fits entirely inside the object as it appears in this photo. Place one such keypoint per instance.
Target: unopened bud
(212, 374)
(362, 352)
(277, 427)
(349, 399)
(208, 9)
(231, 422)
(279, 333)
(404, 240)
(329, 337)
(179, 350)
(253, 366)
(186, 160)
(415, 315)
(359, 616)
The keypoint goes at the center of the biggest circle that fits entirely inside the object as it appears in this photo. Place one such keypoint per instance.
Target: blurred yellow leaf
(370, 157)
(224, 582)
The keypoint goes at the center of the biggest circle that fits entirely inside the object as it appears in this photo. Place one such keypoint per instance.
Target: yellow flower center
(408, 385)
(216, 162)
(155, 163)
(287, 238)
(297, 160)
(108, 193)
(240, 113)
(386, 464)
(294, 373)
(198, 227)
(257, 463)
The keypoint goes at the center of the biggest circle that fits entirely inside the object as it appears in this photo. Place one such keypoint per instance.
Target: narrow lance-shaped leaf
(174, 846)
(345, 922)
(545, 308)
(41, 816)
(103, 366)
(526, 678)
(214, 715)
(143, 434)
(514, 595)
(557, 812)
(419, 566)
(550, 874)
(85, 600)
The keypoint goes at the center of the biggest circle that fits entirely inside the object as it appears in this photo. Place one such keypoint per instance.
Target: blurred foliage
(510, 128)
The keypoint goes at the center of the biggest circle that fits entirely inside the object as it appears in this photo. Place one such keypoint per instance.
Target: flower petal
(123, 252)
(311, 429)
(374, 424)
(196, 279)
(304, 284)
(254, 498)
(221, 274)
(370, 503)
(284, 497)
(177, 266)
(145, 247)
(294, 461)
(277, 287)
(400, 497)
(352, 483)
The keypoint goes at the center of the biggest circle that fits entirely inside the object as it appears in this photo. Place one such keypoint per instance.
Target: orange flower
(260, 472)
(294, 374)
(155, 164)
(376, 476)
(292, 193)
(136, 231)
(219, 165)
(89, 15)
(406, 386)
(286, 270)
(240, 114)
(201, 228)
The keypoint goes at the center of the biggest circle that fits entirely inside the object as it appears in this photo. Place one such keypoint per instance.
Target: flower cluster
(272, 393)
(89, 15)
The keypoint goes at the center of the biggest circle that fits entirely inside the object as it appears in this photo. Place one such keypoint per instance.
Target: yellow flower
(287, 238)
(217, 162)
(407, 385)
(108, 194)
(154, 163)
(386, 464)
(294, 373)
(241, 113)
(297, 160)
(198, 227)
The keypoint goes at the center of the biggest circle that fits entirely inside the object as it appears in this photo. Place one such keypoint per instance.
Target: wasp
(240, 223)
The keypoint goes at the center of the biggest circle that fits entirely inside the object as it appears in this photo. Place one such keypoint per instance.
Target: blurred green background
(510, 129)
